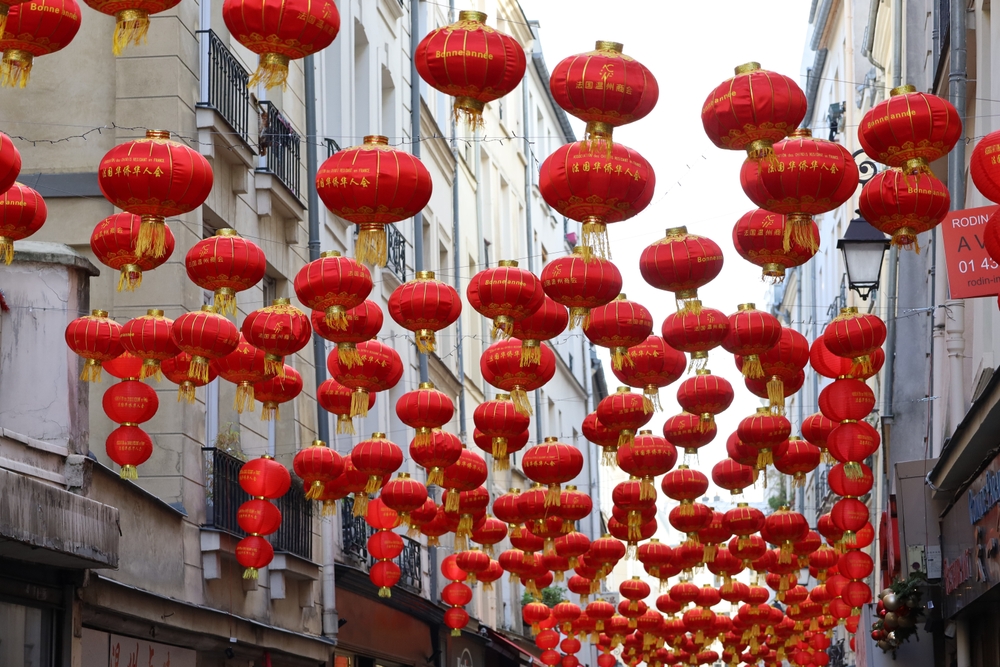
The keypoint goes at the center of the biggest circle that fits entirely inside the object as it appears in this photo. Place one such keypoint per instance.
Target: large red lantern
(503, 368)
(379, 369)
(377, 457)
(680, 263)
(225, 264)
(759, 238)
(603, 437)
(178, 371)
(130, 402)
(832, 366)
(581, 284)
(604, 88)
(552, 463)
(595, 188)
(131, 19)
(10, 157)
(129, 447)
(910, 129)
(785, 527)
(783, 364)
(654, 365)
(337, 399)
(619, 325)
(279, 32)
(472, 62)
(688, 432)
(155, 178)
(149, 338)
(684, 485)
(705, 395)
(505, 294)
(982, 166)
(114, 244)
(361, 323)
(855, 336)
(425, 305)
(424, 410)
(855, 486)
(764, 432)
(253, 552)
(853, 442)
(752, 332)
(732, 475)
(546, 323)
(500, 421)
(817, 429)
(96, 338)
(753, 110)
(244, 367)
(696, 331)
(278, 330)
(404, 495)
(849, 515)
(798, 459)
(903, 204)
(333, 284)
(264, 478)
(442, 450)
(34, 29)
(647, 457)
(624, 412)
(373, 185)
(846, 400)
(258, 517)
(806, 176)
(22, 213)
(317, 465)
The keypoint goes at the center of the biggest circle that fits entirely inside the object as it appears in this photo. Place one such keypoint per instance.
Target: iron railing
(226, 88)
(395, 244)
(355, 533)
(224, 497)
(279, 144)
(331, 146)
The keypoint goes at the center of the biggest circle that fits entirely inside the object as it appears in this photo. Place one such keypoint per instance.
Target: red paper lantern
(361, 323)
(279, 32)
(647, 457)
(472, 62)
(855, 335)
(982, 166)
(425, 305)
(619, 325)
(373, 185)
(34, 29)
(696, 331)
(752, 332)
(624, 412)
(317, 465)
(10, 157)
(492, 532)
(424, 410)
(499, 420)
(654, 365)
(333, 284)
(279, 330)
(806, 176)
(404, 495)
(596, 188)
(856, 594)
(129, 447)
(851, 486)
(851, 443)
(264, 478)
(385, 574)
(503, 368)
(377, 457)
(759, 238)
(277, 390)
(97, 339)
(378, 368)
(753, 110)
(816, 429)
(732, 475)
(798, 459)
(505, 294)
(903, 204)
(603, 437)
(782, 364)
(114, 244)
(131, 19)
(22, 213)
(743, 521)
(245, 366)
(849, 515)
(681, 263)
(468, 473)
(456, 618)
(472, 561)
(690, 517)
(442, 450)
(337, 399)
(130, 402)
(705, 395)
(258, 517)
(155, 178)
(684, 485)
(546, 323)
(855, 565)
(253, 552)
(764, 432)
(604, 88)
(125, 366)
(149, 337)
(688, 432)
(846, 399)
(910, 129)
(581, 284)
(178, 371)
(552, 463)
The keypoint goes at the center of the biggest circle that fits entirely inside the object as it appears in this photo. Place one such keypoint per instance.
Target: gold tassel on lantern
(15, 70)
(130, 277)
(315, 490)
(531, 352)
(426, 341)
(385, 592)
(129, 472)
(626, 438)
(372, 245)
(244, 398)
(345, 425)
(552, 497)
(185, 392)
(620, 358)
(595, 238)
(579, 317)
(250, 573)
(647, 490)
(503, 327)
(347, 355)
(752, 367)
(272, 70)
(501, 461)
(435, 477)
(152, 242)
(764, 459)
(651, 399)
(198, 369)
(131, 27)
(270, 411)
(360, 504)
(776, 395)
(609, 455)
(799, 227)
(451, 501)
(329, 508)
(91, 371)
(359, 403)
(522, 403)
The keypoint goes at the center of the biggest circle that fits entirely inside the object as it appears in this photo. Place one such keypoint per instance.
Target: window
(270, 289)
(362, 84)
(545, 253)
(27, 636)
(389, 107)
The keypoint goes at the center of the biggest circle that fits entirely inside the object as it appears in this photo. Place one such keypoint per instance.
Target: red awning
(526, 656)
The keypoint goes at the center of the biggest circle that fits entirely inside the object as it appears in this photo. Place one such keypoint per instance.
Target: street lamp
(864, 248)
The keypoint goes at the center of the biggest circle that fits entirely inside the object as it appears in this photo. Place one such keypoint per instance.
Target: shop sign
(971, 271)
(132, 652)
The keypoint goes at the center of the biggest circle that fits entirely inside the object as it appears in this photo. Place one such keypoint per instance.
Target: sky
(690, 51)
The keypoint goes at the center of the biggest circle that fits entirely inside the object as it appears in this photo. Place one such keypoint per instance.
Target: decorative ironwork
(867, 168)
(331, 147)
(355, 533)
(295, 535)
(280, 144)
(395, 244)
(227, 90)
(409, 565)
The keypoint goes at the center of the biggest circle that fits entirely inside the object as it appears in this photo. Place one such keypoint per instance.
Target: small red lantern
(131, 19)
(125, 366)
(806, 176)
(846, 400)
(253, 552)
(361, 323)
(392, 185)
(764, 432)
(783, 364)
(596, 188)
(753, 110)
(654, 365)
(442, 450)
(620, 325)
(333, 284)
(404, 495)
(337, 399)
(759, 238)
(681, 263)
(603, 437)
(688, 432)
(705, 395)
(22, 213)
(114, 244)
(903, 204)
(379, 368)
(696, 331)
(258, 517)
(503, 368)
(647, 457)
(279, 330)
(425, 305)
(129, 447)
(982, 166)
(910, 129)
(206, 336)
(96, 338)
(156, 178)
(178, 371)
(851, 486)
(492, 532)
(34, 29)
(317, 465)
(505, 294)
(546, 323)
(377, 457)
(456, 618)
(279, 32)
(499, 420)
(624, 412)
(552, 463)
(752, 332)
(130, 402)
(581, 284)
(424, 410)
(472, 62)
(743, 521)
(732, 476)
(149, 337)
(855, 335)
(264, 478)
(468, 473)
(245, 366)
(684, 485)
(277, 390)
(472, 561)
(799, 459)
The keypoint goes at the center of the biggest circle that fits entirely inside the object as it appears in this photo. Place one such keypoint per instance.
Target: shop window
(27, 636)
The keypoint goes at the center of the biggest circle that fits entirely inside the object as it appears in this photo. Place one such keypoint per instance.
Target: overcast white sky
(690, 47)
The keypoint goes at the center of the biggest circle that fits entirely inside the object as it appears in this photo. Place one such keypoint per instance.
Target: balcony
(356, 532)
(223, 114)
(279, 145)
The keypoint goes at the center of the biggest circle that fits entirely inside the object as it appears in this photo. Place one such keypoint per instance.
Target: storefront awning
(518, 652)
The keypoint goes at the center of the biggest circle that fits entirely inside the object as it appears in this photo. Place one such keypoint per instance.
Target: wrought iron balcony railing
(226, 87)
(224, 497)
(280, 145)
(356, 532)
(395, 244)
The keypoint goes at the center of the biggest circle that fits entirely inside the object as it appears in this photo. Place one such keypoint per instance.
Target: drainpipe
(418, 219)
(529, 231)
(329, 584)
(456, 240)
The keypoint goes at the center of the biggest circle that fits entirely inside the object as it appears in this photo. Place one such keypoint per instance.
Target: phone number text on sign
(971, 271)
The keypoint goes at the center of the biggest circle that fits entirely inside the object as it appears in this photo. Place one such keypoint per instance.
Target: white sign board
(103, 649)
